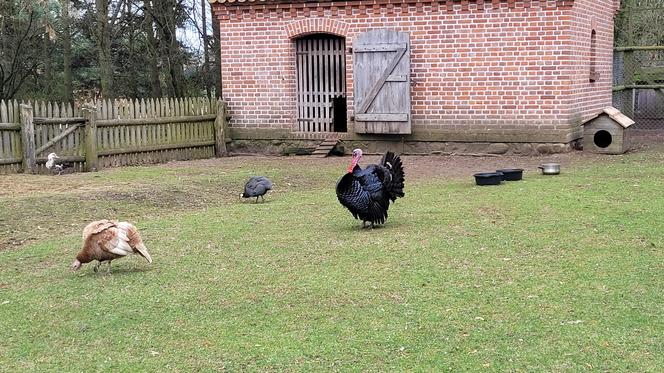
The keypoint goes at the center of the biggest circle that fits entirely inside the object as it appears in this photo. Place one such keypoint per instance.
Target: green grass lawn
(552, 273)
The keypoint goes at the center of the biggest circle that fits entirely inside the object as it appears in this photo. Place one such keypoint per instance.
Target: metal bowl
(550, 168)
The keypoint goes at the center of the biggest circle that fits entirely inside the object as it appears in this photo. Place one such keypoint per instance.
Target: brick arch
(308, 26)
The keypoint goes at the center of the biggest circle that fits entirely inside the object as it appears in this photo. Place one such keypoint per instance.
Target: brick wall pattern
(476, 65)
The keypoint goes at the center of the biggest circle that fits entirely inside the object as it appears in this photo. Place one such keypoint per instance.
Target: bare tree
(152, 51)
(67, 92)
(21, 42)
(210, 75)
(206, 53)
(104, 32)
(103, 35)
(216, 56)
(164, 15)
(49, 48)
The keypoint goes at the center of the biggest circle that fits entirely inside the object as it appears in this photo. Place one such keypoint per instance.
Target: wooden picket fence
(109, 133)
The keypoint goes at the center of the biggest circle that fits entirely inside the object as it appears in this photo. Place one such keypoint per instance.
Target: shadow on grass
(253, 202)
(357, 227)
(120, 271)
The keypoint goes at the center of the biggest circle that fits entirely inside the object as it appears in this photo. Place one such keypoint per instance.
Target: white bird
(105, 240)
(56, 164)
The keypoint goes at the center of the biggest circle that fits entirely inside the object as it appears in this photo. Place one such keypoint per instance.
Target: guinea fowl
(257, 186)
(367, 192)
(57, 165)
(105, 240)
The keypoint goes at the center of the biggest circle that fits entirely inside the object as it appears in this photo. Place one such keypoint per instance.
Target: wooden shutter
(381, 72)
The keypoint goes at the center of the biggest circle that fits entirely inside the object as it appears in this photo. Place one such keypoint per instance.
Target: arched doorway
(320, 68)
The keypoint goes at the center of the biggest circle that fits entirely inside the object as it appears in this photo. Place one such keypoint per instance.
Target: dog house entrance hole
(602, 139)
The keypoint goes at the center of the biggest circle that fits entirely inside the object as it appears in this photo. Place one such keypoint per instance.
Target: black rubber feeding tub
(488, 178)
(511, 174)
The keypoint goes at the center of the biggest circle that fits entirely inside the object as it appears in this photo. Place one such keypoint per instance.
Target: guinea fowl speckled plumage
(367, 193)
(105, 240)
(257, 186)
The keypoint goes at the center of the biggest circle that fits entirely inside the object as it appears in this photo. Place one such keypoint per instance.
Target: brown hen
(105, 240)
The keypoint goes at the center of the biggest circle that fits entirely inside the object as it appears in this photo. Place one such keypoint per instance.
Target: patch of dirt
(164, 198)
(35, 206)
(431, 166)
(417, 167)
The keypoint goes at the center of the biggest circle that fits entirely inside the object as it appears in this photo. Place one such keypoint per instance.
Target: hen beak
(76, 265)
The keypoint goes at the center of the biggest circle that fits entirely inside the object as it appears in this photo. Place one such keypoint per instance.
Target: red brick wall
(492, 66)
(588, 98)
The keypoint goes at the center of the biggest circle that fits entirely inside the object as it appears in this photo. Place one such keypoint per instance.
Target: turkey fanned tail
(393, 163)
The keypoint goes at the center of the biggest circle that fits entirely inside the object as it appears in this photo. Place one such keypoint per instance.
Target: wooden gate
(381, 76)
(111, 133)
(321, 83)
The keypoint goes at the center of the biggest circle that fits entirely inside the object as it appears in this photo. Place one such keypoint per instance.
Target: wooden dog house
(607, 133)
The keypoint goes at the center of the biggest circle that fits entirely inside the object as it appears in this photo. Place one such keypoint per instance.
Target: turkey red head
(357, 154)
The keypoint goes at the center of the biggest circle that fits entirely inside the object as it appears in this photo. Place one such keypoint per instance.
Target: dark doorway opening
(320, 66)
(339, 113)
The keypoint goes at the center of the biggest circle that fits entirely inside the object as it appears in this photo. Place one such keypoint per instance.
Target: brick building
(516, 76)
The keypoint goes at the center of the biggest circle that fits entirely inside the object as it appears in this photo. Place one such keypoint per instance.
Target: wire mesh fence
(638, 79)
(638, 63)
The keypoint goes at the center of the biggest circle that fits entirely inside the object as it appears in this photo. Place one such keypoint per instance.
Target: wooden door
(321, 83)
(381, 76)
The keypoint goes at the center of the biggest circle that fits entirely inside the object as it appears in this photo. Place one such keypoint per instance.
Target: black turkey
(257, 186)
(57, 165)
(367, 192)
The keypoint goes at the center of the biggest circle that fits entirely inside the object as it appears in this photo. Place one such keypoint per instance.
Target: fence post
(28, 139)
(90, 115)
(220, 129)
(629, 61)
(630, 67)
